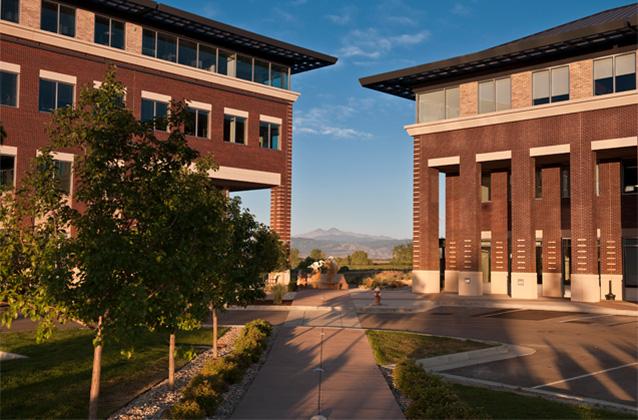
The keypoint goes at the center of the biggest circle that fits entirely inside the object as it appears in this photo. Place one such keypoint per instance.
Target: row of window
(610, 74)
(63, 173)
(54, 94)
(60, 19)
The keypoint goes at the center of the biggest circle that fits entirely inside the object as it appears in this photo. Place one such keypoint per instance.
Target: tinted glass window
(65, 95)
(63, 175)
(49, 17)
(101, 30)
(207, 57)
(503, 94)
(117, 34)
(148, 110)
(8, 89)
(274, 136)
(279, 75)
(7, 167)
(630, 178)
(161, 112)
(487, 97)
(432, 106)
(625, 72)
(540, 87)
(560, 84)
(187, 53)
(228, 122)
(603, 76)
(263, 134)
(240, 130)
(226, 63)
(10, 10)
(166, 47)
(262, 72)
(47, 95)
(148, 43)
(202, 124)
(67, 21)
(190, 124)
(244, 67)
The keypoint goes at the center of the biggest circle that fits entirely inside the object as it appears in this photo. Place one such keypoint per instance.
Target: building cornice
(528, 113)
(84, 47)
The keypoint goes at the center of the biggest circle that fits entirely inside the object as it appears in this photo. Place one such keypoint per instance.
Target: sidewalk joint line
(584, 376)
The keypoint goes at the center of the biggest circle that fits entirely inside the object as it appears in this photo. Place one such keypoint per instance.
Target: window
(63, 175)
(155, 111)
(57, 18)
(279, 76)
(495, 95)
(564, 183)
(149, 42)
(226, 63)
(54, 95)
(10, 10)
(550, 85)
(234, 129)
(109, 32)
(615, 74)
(486, 188)
(187, 53)
(630, 178)
(207, 58)
(538, 183)
(438, 105)
(196, 123)
(8, 88)
(244, 67)
(269, 135)
(262, 72)
(166, 47)
(7, 171)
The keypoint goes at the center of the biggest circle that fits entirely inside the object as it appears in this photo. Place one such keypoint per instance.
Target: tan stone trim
(199, 105)
(246, 175)
(491, 156)
(444, 161)
(528, 113)
(486, 234)
(13, 68)
(58, 77)
(269, 119)
(84, 47)
(539, 234)
(236, 112)
(558, 149)
(614, 143)
(155, 96)
(9, 150)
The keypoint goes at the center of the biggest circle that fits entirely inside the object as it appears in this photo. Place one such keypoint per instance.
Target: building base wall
(524, 286)
(426, 281)
(499, 283)
(552, 284)
(631, 294)
(451, 283)
(585, 288)
(470, 283)
(616, 286)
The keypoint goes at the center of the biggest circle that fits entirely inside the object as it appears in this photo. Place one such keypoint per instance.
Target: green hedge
(431, 397)
(203, 394)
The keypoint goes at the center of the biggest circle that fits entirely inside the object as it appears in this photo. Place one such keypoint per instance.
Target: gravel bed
(152, 403)
(401, 399)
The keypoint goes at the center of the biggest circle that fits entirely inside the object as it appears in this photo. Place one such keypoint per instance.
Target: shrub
(226, 369)
(203, 392)
(261, 325)
(387, 280)
(278, 292)
(187, 409)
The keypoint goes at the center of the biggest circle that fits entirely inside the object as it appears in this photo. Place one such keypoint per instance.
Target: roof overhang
(170, 19)
(528, 51)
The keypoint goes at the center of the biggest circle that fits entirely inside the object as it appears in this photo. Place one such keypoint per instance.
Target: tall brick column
(499, 228)
(426, 271)
(585, 285)
(452, 252)
(609, 216)
(523, 283)
(552, 244)
(281, 196)
(469, 227)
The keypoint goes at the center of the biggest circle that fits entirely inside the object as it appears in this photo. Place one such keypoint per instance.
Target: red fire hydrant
(377, 296)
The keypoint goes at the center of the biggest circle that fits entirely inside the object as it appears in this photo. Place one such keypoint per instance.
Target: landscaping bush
(227, 370)
(278, 292)
(203, 391)
(387, 280)
(260, 324)
(187, 409)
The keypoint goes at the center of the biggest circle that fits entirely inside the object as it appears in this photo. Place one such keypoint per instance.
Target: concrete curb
(556, 396)
(4, 356)
(474, 357)
(277, 308)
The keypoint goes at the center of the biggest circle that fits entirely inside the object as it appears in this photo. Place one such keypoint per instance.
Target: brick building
(536, 142)
(237, 85)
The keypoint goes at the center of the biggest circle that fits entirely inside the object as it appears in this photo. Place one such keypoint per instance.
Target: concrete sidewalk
(325, 371)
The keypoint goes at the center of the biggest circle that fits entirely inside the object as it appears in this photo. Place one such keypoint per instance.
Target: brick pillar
(30, 13)
(551, 217)
(426, 271)
(499, 228)
(280, 197)
(523, 283)
(452, 252)
(585, 285)
(469, 236)
(609, 216)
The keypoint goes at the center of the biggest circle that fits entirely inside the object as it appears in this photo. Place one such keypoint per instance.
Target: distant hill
(338, 243)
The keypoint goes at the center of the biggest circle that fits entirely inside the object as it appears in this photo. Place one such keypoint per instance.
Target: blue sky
(352, 160)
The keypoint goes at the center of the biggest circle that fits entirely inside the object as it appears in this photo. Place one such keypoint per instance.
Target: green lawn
(507, 405)
(391, 347)
(54, 381)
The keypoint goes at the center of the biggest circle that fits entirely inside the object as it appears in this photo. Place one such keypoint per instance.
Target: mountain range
(337, 243)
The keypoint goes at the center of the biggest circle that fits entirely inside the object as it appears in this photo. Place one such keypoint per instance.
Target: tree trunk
(95, 375)
(214, 314)
(171, 361)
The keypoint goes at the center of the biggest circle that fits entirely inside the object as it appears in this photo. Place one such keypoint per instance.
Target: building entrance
(566, 266)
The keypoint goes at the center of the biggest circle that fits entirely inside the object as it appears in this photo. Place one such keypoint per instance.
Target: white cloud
(298, 2)
(369, 43)
(332, 120)
(402, 20)
(460, 9)
(339, 19)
